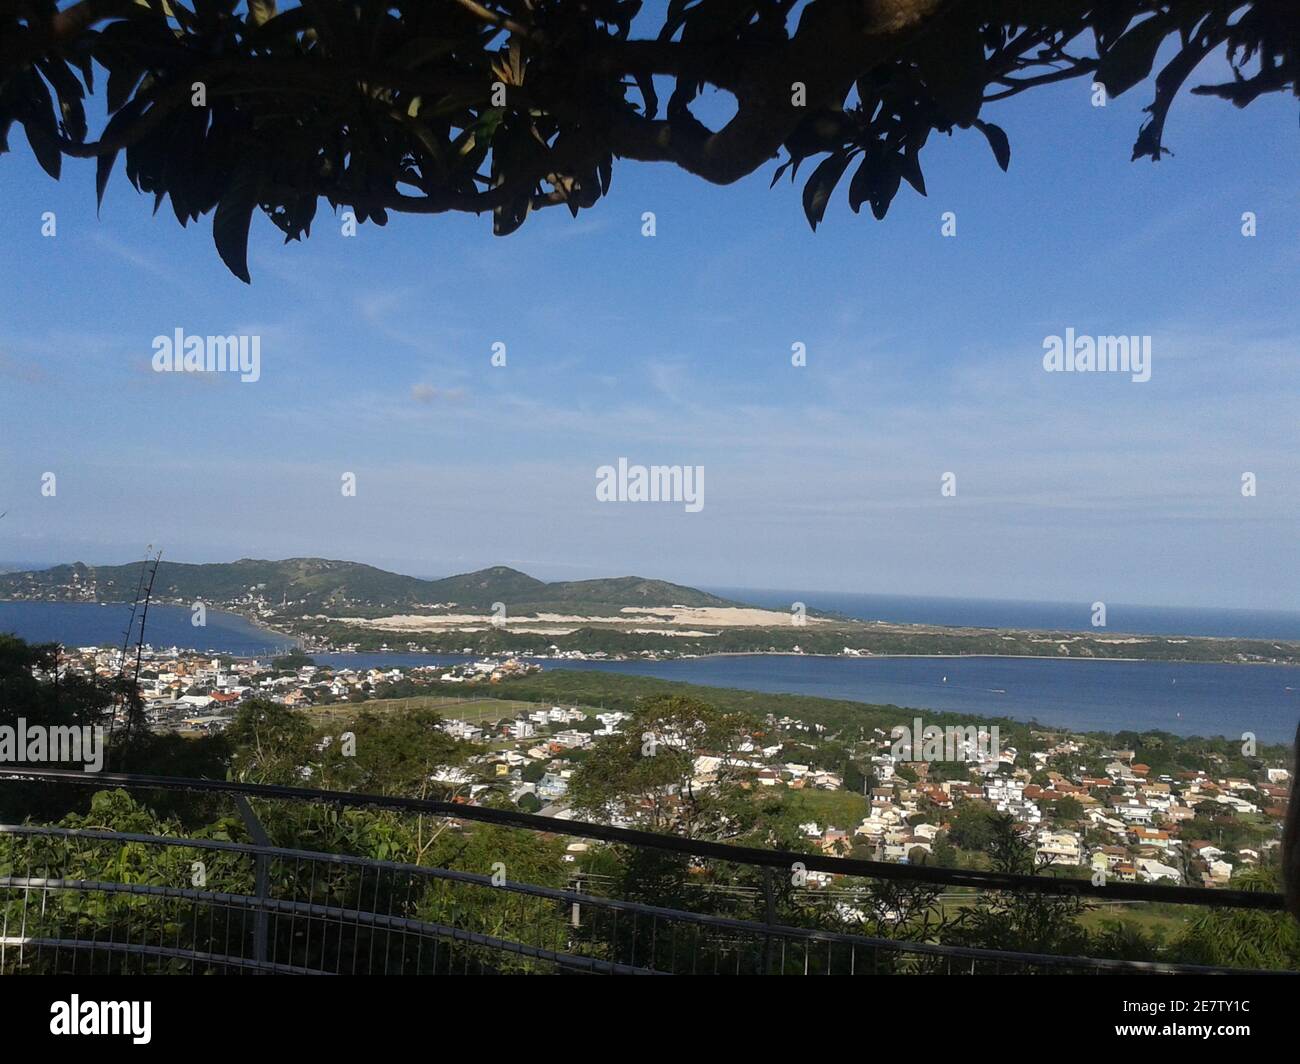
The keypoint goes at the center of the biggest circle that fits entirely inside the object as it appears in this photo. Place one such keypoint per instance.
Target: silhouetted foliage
(428, 106)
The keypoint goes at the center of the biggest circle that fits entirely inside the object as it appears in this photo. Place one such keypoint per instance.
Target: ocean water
(80, 624)
(1181, 698)
(1053, 616)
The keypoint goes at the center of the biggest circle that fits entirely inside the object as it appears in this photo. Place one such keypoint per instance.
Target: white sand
(673, 620)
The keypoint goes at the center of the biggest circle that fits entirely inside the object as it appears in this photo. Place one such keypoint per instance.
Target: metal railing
(91, 901)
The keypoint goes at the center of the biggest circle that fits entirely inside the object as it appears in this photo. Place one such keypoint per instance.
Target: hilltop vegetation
(323, 584)
(411, 754)
(348, 604)
(831, 638)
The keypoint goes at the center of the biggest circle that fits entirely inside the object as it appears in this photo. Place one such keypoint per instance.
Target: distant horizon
(721, 590)
(917, 444)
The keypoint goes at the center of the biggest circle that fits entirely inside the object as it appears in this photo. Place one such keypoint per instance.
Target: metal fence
(90, 901)
(211, 906)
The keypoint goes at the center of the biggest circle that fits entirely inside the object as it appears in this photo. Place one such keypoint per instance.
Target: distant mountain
(303, 584)
(500, 583)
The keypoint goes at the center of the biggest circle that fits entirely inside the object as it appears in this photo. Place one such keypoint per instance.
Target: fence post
(769, 918)
(258, 834)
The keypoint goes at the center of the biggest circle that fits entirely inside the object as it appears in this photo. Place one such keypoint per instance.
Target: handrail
(567, 897)
(748, 855)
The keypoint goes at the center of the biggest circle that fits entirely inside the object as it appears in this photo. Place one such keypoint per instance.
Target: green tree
(647, 772)
(270, 743)
(1248, 938)
(945, 854)
(1067, 809)
(390, 753)
(506, 108)
(1024, 921)
(33, 687)
(971, 827)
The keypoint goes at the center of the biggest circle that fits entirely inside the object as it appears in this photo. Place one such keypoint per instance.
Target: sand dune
(670, 620)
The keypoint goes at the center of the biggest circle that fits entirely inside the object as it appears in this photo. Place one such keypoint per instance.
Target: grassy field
(841, 809)
(473, 710)
(1167, 918)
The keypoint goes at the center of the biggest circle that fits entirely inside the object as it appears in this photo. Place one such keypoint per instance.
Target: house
(1206, 851)
(898, 851)
(553, 785)
(459, 729)
(1002, 792)
(834, 841)
(1221, 871)
(1151, 837)
(1133, 811)
(1152, 870)
(1110, 856)
(706, 769)
(1059, 847)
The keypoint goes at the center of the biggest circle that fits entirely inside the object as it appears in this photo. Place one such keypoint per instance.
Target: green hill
(322, 584)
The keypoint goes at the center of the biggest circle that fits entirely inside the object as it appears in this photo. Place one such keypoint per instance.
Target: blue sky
(924, 356)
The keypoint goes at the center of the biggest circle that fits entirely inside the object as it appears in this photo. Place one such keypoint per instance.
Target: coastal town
(328, 606)
(1091, 809)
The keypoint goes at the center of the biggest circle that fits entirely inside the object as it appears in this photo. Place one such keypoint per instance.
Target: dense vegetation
(399, 754)
(319, 583)
(505, 107)
(832, 639)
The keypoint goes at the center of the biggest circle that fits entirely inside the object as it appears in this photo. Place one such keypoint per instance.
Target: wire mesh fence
(76, 901)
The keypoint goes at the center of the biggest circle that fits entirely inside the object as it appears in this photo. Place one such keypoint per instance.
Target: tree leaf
(104, 163)
(232, 219)
(70, 95)
(997, 139)
(122, 80)
(45, 146)
(40, 125)
(877, 181)
(910, 168)
(817, 192)
(1130, 58)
